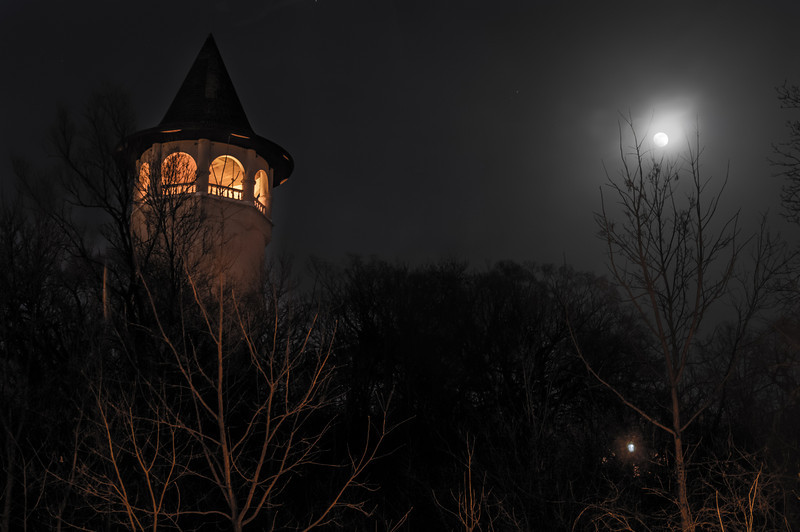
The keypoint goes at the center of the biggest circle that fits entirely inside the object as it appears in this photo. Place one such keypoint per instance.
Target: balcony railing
(261, 208)
(225, 192)
(178, 188)
(175, 189)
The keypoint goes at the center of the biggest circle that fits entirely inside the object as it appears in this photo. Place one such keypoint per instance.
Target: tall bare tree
(256, 408)
(679, 261)
(41, 329)
(787, 154)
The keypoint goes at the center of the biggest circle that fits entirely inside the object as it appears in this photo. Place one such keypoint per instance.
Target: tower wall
(186, 209)
(203, 199)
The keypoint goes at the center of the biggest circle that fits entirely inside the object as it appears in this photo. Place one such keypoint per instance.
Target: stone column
(249, 177)
(203, 165)
(270, 181)
(155, 163)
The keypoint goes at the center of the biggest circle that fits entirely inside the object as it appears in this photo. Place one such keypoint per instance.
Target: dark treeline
(137, 395)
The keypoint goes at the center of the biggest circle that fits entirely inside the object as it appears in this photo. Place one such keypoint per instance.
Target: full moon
(631, 446)
(661, 139)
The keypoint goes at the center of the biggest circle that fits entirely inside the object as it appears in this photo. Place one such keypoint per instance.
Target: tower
(204, 182)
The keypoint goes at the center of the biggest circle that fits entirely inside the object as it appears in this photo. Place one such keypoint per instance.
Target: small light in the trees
(661, 139)
(631, 447)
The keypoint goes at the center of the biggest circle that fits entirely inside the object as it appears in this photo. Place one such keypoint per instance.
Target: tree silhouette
(677, 261)
(788, 154)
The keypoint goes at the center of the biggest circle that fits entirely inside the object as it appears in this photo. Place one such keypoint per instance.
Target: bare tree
(472, 503)
(678, 260)
(787, 154)
(39, 333)
(128, 460)
(742, 496)
(256, 408)
(166, 223)
(92, 186)
(97, 199)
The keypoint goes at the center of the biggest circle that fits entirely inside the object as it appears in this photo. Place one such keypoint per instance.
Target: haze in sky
(430, 129)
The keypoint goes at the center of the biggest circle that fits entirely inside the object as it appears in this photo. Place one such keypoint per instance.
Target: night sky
(433, 129)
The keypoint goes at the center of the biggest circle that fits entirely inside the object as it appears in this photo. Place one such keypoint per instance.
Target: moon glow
(660, 139)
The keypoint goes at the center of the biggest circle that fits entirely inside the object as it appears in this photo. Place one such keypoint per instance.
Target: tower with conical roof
(205, 178)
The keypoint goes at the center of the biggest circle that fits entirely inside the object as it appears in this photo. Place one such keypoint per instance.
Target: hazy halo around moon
(661, 139)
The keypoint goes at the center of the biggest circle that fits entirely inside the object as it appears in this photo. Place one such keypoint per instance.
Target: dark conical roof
(207, 96)
(207, 106)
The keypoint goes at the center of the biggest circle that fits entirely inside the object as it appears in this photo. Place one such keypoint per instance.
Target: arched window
(261, 191)
(226, 177)
(143, 187)
(178, 172)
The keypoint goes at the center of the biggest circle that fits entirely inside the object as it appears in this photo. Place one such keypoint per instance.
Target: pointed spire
(207, 107)
(207, 96)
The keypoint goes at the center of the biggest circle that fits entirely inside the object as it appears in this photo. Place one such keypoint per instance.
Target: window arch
(143, 186)
(178, 172)
(227, 171)
(261, 190)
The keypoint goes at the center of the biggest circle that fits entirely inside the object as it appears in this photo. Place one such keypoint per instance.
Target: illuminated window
(260, 193)
(178, 173)
(227, 172)
(144, 181)
(226, 177)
